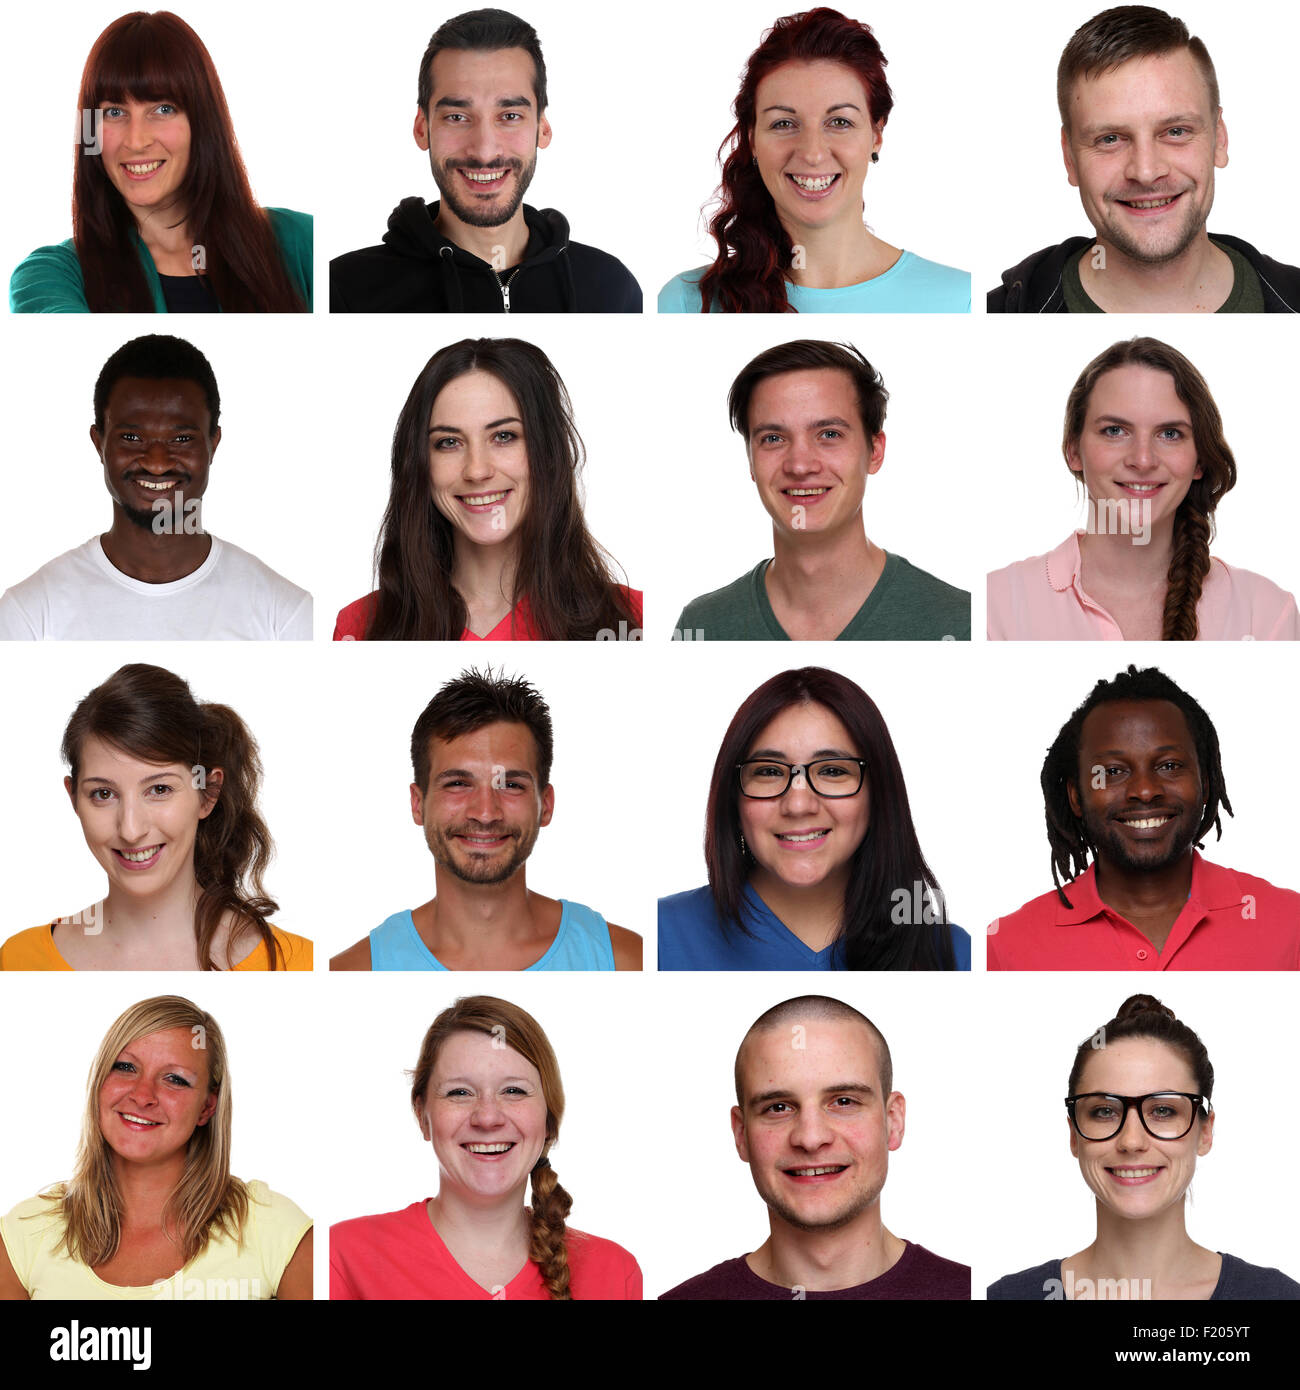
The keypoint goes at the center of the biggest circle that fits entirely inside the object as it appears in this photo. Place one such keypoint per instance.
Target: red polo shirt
(1232, 921)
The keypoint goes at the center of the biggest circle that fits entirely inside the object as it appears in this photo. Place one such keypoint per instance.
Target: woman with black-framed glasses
(1140, 1116)
(812, 856)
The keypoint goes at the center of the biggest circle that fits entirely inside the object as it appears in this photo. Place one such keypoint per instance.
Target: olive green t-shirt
(1246, 296)
(906, 605)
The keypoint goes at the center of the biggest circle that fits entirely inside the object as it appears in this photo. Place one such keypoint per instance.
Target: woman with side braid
(486, 1093)
(1145, 438)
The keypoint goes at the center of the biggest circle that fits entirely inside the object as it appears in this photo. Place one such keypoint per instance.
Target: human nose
(485, 803)
(138, 134)
(799, 796)
(143, 1092)
(132, 819)
(1148, 161)
(811, 1129)
(812, 145)
(1131, 1134)
(1143, 784)
(487, 1112)
(476, 466)
(157, 457)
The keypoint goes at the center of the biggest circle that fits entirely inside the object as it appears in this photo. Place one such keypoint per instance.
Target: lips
(1149, 207)
(488, 1152)
(483, 180)
(1134, 1175)
(137, 1123)
(483, 501)
(138, 859)
(804, 839)
(814, 186)
(141, 169)
(815, 1172)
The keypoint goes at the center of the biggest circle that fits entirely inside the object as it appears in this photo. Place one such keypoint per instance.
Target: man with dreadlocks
(1133, 781)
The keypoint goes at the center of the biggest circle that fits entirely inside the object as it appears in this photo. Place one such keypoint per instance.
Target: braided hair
(1065, 830)
(1189, 560)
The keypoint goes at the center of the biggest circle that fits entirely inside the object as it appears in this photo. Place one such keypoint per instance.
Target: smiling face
(814, 1127)
(803, 839)
(1137, 445)
(155, 1096)
(478, 458)
(482, 132)
(809, 453)
(485, 1113)
(1145, 815)
(1133, 1174)
(155, 444)
(146, 151)
(140, 819)
(813, 140)
(483, 807)
(1141, 146)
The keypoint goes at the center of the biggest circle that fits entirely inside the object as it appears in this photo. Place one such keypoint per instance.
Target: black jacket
(1034, 286)
(417, 270)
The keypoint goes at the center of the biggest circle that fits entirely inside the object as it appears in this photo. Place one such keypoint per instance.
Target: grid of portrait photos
(558, 734)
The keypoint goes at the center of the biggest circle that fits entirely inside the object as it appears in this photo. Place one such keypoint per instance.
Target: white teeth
(814, 185)
(487, 499)
(803, 839)
(1141, 487)
(488, 177)
(1153, 203)
(805, 491)
(144, 168)
(156, 487)
(1135, 1172)
(813, 1172)
(137, 1119)
(489, 1148)
(1151, 823)
(139, 856)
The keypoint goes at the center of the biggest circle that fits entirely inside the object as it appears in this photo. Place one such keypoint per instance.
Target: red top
(516, 626)
(400, 1255)
(1232, 921)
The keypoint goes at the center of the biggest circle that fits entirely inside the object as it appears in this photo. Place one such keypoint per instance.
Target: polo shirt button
(1142, 955)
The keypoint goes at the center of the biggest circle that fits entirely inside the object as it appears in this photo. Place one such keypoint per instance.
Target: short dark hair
(807, 354)
(1115, 36)
(823, 1009)
(1065, 832)
(472, 701)
(484, 31)
(1144, 1016)
(158, 357)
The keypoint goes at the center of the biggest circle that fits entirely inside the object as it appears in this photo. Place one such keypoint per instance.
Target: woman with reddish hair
(810, 120)
(163, 215)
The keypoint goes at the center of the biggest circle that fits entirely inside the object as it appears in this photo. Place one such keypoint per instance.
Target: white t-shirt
(80, 596)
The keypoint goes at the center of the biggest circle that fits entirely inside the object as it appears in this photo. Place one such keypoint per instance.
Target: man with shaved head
(816, 1118)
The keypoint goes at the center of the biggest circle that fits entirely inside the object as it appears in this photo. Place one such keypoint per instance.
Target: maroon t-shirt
(917, 1275)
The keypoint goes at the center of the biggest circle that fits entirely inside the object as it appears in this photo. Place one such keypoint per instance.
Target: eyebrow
(126, 1055)
(1118, 127)
(492, 425)
(470, 1081)
(816, 425)
(856, 1088)
(820, 753)
(839, 106)
(1155, 752)
(143, 782)
(465, 103)
(1120, 420)
(134, 425)
(467, 772)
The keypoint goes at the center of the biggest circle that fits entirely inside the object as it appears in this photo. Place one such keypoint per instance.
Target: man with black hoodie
(1142, 133)
(482, 119)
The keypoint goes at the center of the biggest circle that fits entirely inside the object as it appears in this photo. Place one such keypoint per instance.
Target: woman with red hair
(810, 119)
(163, 215)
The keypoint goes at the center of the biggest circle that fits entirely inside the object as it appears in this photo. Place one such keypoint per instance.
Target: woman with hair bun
(1144, 437)
(166, 789)
(810, 122)
(152, 1210)
(486, 1093)
(1139, 1118)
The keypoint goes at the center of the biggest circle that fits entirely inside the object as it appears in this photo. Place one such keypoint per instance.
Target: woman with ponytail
(810, 123)
(1139, 1116)
(165, 788)
(486, 1093)
(1145, 438)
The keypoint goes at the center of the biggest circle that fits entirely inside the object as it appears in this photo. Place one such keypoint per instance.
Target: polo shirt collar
(1065, 564)
(1212, 887)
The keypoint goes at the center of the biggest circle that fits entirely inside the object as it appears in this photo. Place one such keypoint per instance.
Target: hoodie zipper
(504, 286)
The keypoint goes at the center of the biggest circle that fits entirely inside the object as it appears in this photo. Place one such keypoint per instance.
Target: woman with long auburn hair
(166, 789)
(163, 215)
(1144, 438)
(152, 1210)
(487, 1095)
(810, 123)
(813, 860)
(484, 536)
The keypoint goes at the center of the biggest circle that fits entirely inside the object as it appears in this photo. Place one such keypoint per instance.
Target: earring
(875, 156)
(742, 846)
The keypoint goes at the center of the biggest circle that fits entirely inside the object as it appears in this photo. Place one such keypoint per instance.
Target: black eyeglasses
(1164, 1114)
(763, 778)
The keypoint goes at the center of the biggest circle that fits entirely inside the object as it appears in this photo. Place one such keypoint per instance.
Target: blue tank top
(582, 943)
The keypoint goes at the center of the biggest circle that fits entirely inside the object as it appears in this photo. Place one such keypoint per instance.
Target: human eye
(769, 438)
(782, 123)
(1171, 432)
(840, 123)
(1102, 1110)
(1108, 141)
(515, 1091)
(831, 434)
(128, 438)
(99, 794)
(177, 1080)
(776, 1107)
(1179, 130)
(164, 787)
(184, 439)
(446, 443)
(834, 771)
(845, 1102)
(766, 771)
(123, 1066)
(455, 1092)
(505, 436)
(111, 113)
(1111, 431)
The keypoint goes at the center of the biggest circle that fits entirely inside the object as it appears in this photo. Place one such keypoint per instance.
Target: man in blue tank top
(481, 755)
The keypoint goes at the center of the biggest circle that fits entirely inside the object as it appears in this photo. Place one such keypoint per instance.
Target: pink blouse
(1043, 600)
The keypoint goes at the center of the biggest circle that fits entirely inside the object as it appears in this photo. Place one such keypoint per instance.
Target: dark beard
(472, 216)
(144, 520)
(1103, 838)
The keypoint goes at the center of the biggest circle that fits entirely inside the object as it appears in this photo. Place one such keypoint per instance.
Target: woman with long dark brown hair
(165, 788)
(487, 1095)
(163, 215)
(484, 535)
(1144, 438)
(810, 123)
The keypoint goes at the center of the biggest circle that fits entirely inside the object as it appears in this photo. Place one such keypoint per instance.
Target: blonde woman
(486, 1093)
(152, 1210)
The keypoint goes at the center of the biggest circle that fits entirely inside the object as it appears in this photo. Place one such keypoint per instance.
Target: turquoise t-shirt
(582, 943)
(912, 285)
(49, 280)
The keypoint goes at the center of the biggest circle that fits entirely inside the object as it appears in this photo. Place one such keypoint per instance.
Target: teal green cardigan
(49, 280)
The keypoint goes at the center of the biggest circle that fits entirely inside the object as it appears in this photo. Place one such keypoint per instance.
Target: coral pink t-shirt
(1042, 599)
(399, 1255)
(516, 626)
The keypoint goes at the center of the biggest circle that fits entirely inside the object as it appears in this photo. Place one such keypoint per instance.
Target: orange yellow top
(34, 949)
